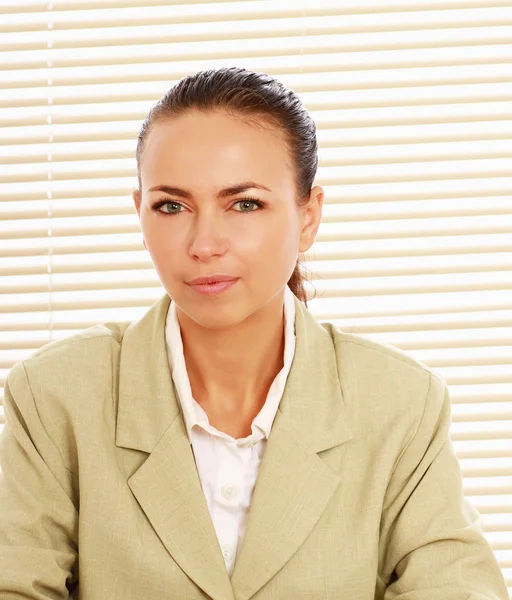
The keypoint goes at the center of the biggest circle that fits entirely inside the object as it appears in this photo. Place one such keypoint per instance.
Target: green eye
(249, 201)
(166, 201)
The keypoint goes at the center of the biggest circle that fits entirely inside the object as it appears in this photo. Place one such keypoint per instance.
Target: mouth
(212, 288)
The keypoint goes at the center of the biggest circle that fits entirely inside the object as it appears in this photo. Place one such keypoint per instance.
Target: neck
(231, 369)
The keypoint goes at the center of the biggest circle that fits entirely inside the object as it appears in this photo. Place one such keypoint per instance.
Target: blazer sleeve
(432, 545)
(38, 518)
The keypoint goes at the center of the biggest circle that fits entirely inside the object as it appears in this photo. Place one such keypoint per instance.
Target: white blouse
(227, 468)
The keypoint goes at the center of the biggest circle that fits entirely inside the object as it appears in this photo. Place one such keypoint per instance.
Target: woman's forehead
(184, 148)
(210, 130)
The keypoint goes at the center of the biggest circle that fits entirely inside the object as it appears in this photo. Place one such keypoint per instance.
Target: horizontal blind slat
(445, 229)
(333, 212)
(407, 15)
(348, 7)
(60, 172)
(325, 39)
(459, 247)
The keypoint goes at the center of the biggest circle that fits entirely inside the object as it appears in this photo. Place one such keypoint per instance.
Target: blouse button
(229, 491)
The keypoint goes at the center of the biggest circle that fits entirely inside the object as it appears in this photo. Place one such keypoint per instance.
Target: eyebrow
(224, 193)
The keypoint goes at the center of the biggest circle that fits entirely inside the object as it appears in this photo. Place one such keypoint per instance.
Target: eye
(241, 201)
(249, 201)
(165, 202)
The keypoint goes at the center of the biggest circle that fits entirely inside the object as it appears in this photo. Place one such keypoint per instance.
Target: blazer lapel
(167, 484)
(294, 485)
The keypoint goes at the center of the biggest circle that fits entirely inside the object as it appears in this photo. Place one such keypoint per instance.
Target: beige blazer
(359, 494)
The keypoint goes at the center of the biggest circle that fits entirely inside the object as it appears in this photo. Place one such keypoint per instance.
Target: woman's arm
(431, 545)
(38, 515)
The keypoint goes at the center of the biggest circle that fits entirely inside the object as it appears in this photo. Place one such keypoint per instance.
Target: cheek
(277, 250)
(283, 238)
(162, 245)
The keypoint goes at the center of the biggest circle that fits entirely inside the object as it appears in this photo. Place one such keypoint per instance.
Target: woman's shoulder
(364, 352)
(67, 387)
(104, 334)
(82, 360)
(384, 388)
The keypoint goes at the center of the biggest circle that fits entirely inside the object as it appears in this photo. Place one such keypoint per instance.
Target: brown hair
(260, 100)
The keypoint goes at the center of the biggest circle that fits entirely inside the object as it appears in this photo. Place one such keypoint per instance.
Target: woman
(227, 445)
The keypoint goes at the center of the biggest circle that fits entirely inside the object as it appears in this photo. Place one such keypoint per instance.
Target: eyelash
(164, 201)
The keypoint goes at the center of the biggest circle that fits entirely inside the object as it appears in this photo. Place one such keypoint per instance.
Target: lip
(212, 289)
(212, 279)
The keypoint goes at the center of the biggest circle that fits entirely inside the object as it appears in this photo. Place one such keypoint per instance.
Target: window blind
(412, 101)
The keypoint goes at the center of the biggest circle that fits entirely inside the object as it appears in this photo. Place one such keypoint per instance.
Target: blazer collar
(311, 418)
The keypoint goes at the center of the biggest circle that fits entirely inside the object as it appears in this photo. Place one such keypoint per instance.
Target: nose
(208, 237)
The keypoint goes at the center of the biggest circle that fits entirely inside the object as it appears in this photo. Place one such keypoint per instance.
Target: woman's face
(203, 234)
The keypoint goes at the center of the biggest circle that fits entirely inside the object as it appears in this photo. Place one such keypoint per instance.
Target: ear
(136, 200)
(310, 218)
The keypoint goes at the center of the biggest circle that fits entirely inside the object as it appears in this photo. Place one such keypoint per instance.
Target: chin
(216, 321)
(209, 313)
